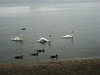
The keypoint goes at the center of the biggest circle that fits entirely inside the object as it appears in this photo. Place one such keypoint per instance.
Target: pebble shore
(61, 67)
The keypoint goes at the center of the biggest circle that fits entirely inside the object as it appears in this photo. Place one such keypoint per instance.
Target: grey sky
(17, 1)
(23, 2)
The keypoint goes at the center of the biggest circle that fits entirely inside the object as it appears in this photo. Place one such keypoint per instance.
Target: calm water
(57, 19)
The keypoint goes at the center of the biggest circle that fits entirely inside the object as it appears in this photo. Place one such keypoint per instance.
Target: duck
(35, 54)
(41, 51)
(19, 57)
(20, 38)
(23, 28)
(43, 40)
(69, 36)
(54, 56)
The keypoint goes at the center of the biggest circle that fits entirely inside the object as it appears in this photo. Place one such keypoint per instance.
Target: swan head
(21, 56)
(49, 35)
(72, 32)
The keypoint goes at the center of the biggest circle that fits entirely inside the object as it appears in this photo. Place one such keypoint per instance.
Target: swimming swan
(43, 40)
(69, 36)
(20, 38)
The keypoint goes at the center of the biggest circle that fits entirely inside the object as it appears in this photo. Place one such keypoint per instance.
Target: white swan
(69, 36)
(20, 38)
(43, 40)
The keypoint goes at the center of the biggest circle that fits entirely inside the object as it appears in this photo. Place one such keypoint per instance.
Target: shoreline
(58, 67)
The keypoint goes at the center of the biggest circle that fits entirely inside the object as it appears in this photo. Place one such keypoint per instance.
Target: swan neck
(72, 34)
(21, 36)
(49, 37)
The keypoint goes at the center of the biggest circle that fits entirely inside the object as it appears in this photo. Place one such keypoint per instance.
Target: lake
(57, 19)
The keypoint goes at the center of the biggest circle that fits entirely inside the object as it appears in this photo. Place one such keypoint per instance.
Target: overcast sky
(17, 1)
(23, 2)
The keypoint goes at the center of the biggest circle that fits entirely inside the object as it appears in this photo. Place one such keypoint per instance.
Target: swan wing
(16, 39)
(42, 40)
(67, 36)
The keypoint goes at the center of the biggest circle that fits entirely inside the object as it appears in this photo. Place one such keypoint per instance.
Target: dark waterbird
(54, 56)
(41, 51)
(19, 57)
(35, 54)
(23, 28)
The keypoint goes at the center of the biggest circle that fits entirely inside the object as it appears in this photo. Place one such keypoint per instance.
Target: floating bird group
(36, 54)
(39, 51)
(41, 40)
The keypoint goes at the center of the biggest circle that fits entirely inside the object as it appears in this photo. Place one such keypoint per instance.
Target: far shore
(62, 67)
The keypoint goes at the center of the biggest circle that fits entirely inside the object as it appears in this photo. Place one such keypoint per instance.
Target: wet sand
(61, 67)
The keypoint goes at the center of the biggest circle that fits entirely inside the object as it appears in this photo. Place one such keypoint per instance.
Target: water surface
(57, 19)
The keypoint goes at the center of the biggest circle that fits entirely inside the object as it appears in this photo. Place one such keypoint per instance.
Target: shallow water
(57, 19)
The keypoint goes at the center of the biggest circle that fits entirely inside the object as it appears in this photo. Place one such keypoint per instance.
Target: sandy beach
(61, 67)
